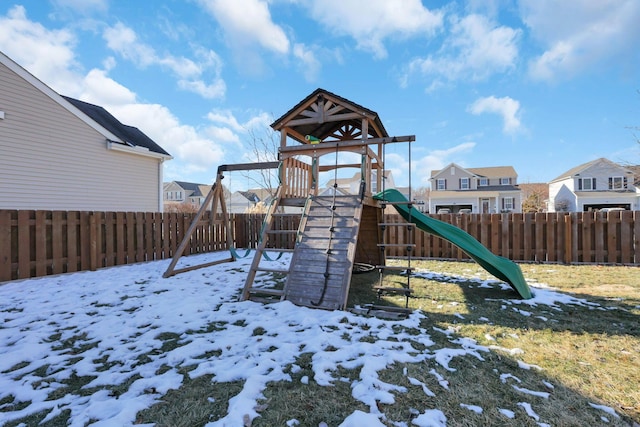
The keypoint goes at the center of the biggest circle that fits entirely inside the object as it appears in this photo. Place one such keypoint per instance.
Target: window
(507, 203)
(617, 183)
(586, 184)
(483, 182)
(441, 184)
(464, 183)
(505, 181)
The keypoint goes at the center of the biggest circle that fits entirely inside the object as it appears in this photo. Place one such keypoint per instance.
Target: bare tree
(421, 195)
(263, 144)
(180, 207)
(534, 197)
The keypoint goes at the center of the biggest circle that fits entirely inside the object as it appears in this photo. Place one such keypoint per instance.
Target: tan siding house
(475, 190)
(54, 156)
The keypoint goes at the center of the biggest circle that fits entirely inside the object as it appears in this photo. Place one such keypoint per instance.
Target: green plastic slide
(502, 268)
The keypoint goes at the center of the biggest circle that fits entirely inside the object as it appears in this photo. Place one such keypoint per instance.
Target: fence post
(5, 246)
(568, 243)
(93, 246)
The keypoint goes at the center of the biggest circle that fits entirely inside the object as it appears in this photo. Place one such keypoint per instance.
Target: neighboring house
(58, 153)
(352, 185)
(255, 200)
(184, 196)
(242, 201)
(595, 185)
(475, 190)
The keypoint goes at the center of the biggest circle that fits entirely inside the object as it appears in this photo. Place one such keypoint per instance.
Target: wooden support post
(185, 240)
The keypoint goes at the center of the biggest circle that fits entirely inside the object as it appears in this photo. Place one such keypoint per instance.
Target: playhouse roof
(325, 115)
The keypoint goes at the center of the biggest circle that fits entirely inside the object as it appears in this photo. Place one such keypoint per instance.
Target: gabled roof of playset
(338, 119)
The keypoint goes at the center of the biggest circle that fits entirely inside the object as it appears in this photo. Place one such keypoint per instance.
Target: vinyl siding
(50, 159)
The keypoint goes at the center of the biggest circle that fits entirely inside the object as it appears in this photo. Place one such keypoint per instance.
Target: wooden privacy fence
(40, 243)
(569, 238)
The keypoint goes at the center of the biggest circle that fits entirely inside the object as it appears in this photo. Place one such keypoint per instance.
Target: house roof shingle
(191, 186)
(485, 172)
(129, 134)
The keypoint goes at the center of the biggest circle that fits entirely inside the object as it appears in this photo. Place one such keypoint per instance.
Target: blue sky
(540, 85)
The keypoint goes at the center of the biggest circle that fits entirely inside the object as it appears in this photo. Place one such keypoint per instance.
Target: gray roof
(191, 186)
(484, 172)
(129, 134)
(573, 171)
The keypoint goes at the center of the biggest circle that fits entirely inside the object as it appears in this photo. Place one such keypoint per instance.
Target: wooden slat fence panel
(57, 260)
(7, 248)
(38, 243)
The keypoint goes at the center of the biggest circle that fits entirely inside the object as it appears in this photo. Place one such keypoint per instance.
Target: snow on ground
(111, 324)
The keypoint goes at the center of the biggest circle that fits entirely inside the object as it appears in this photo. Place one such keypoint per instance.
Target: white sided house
(58, 153)
(455, 189)
(595, 185)
(180, 196)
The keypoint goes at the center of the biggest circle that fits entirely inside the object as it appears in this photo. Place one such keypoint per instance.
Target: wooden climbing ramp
(319, 273)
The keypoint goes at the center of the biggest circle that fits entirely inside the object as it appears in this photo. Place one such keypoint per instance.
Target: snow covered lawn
(96, 348)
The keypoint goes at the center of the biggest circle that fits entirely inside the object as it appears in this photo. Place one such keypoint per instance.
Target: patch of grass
(61, 420)
(15, 367)
(73, 345)
(197, 402)
(590, 352)
(211, 327)
(303, 399)
(259, 331)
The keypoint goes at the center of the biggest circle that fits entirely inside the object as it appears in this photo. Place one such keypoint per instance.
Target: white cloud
(246, 135)
(248, 22)
(124, 41)
(47, 54)
(195, 150)
(370, 22)
(475, 49)
(225, 117)
(508, 108)
(83, 6)
(422, 167)
(309, 64)
(99, 89)
(438, 159)
(581, 34)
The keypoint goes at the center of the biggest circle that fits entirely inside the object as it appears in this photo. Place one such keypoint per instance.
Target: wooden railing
(40, 243)
(297, 178)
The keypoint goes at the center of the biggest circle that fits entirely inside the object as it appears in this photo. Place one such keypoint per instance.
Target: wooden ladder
(322, 263)
(409, 247)
(262, 294)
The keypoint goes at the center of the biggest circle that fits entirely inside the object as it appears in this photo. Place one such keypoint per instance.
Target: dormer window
(617, 183)
(586, 184)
